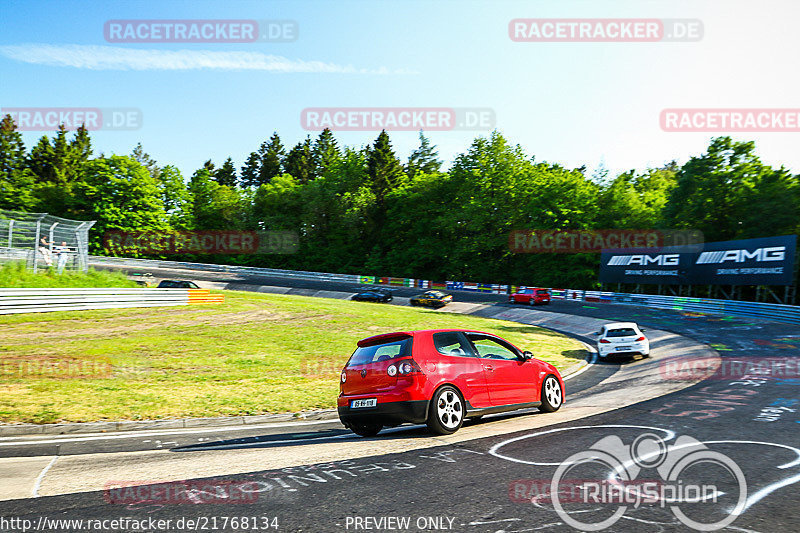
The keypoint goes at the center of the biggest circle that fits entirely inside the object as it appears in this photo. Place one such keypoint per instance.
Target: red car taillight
(640, 339)
(404, 368)
(605, 341)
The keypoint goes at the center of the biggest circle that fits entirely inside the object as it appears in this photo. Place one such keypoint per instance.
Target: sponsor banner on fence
(200, 242)
(763, 261)
(539, 241)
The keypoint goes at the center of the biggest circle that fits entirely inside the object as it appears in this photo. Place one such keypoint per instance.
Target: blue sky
(571, 103)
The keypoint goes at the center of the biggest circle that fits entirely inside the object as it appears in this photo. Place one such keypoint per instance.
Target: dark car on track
(374, 295)
(530, 296)
(177, 284)
(441, 377)
(435, 299)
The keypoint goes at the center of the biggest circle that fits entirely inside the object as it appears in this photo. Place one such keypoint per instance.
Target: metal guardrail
(24, 300)
(296, 274)
(777, 312)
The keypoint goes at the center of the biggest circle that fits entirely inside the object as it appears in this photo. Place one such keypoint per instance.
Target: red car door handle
(490, 368)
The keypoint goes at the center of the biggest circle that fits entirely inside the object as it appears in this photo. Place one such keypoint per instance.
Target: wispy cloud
(94, 57)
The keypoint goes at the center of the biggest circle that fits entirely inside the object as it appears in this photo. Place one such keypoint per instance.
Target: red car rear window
(380, 352)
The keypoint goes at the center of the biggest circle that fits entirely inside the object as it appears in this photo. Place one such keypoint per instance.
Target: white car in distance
(621, 338)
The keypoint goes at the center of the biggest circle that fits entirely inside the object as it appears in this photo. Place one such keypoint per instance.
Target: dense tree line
(363, 210)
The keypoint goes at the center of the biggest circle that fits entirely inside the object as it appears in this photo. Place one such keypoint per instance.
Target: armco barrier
(13, 301)
(150, 263)
(778, 312)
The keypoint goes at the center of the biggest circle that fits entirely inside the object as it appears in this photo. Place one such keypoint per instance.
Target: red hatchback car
(441, 377)
(530, 296)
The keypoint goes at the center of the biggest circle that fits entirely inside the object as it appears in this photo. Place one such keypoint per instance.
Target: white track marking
(295, 441)
(741, 529)
(531, 528)
(481, 523)
(592, 360)
(154, 433)
(494, 449)
(759, 495)
(40, 478)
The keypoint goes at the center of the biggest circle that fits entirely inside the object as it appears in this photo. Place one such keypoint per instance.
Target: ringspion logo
(692, 500)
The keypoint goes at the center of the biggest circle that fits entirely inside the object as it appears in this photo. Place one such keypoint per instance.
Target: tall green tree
(226, 174)
(423, 159)
(176, 197)
(250, 170)
(145, 160)
(271, 156)
(636, 201)
(716, 193)
(300, 162)
(326, 153)
(16, 179)
(383, 168)
(59, 167)
(215, 206)
(120, 194)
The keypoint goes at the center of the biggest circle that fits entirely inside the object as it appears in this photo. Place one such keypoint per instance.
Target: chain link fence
(44, 241)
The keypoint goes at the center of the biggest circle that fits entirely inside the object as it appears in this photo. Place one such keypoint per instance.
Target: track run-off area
(492, 475)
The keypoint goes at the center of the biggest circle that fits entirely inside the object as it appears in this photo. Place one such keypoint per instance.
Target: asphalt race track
(499, 481)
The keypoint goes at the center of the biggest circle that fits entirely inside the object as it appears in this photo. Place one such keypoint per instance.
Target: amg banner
(764, 261)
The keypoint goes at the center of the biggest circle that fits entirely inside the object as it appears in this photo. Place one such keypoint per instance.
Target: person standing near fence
(62, 252)
(44, 248)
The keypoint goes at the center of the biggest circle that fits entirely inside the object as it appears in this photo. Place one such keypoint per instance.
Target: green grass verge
(256, 353)
(15, 275)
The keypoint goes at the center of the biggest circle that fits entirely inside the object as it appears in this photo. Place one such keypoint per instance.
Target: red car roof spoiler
(385, 337)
